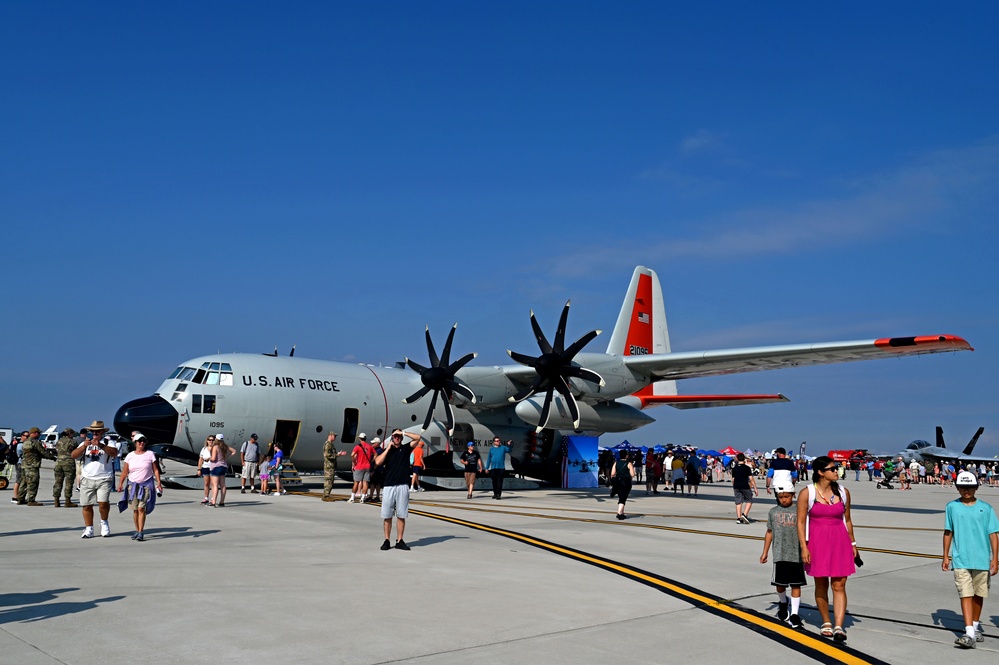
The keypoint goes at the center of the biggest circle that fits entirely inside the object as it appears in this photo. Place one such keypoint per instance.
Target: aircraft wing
(942, 455)
(695, 364)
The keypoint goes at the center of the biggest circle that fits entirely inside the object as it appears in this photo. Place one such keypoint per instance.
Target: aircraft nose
(153, 416)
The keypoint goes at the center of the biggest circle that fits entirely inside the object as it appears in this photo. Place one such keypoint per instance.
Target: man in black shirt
(744, 487)
(395, 495)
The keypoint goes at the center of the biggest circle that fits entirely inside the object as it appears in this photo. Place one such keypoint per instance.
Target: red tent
(729, 450)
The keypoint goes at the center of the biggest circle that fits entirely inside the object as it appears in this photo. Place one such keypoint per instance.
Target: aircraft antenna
(292, 354)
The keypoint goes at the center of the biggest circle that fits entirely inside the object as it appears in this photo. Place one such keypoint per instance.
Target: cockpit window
(187, 374)
(199, 376)
(225, 379)
(175, 373)
(213, 378)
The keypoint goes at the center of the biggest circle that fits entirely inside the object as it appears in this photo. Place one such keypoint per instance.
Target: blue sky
(182, 179)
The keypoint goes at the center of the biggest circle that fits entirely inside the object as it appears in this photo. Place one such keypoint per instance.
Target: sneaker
(13, 499)
(401, 545)
(105, 529)
(242, 491)
(362, 500)
(140, 537)
(204, 501)
(88, 532)
(386, 545)
(979, 635)
(782, 613)
(351, 500)
(738, 520)
(135, 535)
(745, 520)
(254, 491)
(795, 622)
(420, 490)
(965, 641)
(282, 493)
(411, 489)
(327, 498)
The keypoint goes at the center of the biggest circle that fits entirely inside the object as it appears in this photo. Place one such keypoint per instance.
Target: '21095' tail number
(218, 425)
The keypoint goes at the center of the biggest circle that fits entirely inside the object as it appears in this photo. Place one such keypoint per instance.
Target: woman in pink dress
(828, 548)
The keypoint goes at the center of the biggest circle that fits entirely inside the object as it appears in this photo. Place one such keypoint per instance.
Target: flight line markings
(817, 649)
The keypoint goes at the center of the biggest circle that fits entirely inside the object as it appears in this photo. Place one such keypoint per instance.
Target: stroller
(886, 481)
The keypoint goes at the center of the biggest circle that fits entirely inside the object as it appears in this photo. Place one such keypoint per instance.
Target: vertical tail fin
(641, 325)
(974, 441)
(940, 439)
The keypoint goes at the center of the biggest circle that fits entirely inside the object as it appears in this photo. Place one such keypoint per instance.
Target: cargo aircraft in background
(561, 390)
(922, 451)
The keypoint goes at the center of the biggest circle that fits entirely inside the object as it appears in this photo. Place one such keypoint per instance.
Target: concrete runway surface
(543, 576)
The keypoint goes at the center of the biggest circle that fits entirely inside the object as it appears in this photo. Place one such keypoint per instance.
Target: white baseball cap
(220, 437)
(783, 486)
(966, 478)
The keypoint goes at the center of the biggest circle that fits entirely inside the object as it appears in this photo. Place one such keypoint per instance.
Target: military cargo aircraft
(562, 390)
(922, 451)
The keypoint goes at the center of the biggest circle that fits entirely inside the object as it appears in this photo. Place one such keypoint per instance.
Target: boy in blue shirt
(971, 548)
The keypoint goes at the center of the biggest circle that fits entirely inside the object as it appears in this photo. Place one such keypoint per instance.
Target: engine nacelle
(603, 417)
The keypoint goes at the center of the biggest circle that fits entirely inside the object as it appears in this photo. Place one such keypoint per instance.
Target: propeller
(440, 378)
(555, 367)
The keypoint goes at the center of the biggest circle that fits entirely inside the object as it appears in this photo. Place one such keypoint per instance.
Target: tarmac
(543, 576)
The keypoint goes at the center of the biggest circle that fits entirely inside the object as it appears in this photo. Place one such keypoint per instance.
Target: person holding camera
(395, 495)
(96, 477)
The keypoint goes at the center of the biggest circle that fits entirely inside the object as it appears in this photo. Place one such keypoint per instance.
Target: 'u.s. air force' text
(290, 382)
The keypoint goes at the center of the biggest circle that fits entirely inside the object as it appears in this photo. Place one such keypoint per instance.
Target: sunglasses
(834, 467)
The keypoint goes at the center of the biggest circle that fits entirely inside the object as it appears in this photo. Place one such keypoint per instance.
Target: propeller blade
(563, 387)
(458, 364)
(446, 353)
(430, 412)
(434, 360)
(461, 389)
(416, 367)
(540, 335)
(449, 416)
(545, 410)
(521, 358)
(529, 390)
(586, 375)
(560, 332)
(578, 345)
(416, 396)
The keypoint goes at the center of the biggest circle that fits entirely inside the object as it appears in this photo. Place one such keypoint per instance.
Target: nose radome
(153, 416)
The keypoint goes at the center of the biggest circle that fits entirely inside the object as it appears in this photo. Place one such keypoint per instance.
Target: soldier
(329, 465)
(65, 468)
(31, 462)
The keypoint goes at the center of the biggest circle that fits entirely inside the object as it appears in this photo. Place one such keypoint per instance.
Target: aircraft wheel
(3, 482)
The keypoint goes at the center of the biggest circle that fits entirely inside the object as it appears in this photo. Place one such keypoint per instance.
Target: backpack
(11, 455)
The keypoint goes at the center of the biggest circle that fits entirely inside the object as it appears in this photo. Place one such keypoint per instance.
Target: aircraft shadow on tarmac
(40, 612)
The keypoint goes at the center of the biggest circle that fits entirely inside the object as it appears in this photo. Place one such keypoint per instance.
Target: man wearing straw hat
(97, 477)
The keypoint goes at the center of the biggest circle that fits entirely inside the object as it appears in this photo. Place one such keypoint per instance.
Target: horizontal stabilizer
(704, 401)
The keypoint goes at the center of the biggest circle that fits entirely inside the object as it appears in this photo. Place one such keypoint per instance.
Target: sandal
(827, 630)
(839, 634)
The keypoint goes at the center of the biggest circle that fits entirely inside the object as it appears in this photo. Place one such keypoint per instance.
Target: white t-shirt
(96, 463)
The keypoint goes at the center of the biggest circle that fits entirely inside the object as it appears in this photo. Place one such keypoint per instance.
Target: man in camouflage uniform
(31, 463)
(329, 465)
(65, 468)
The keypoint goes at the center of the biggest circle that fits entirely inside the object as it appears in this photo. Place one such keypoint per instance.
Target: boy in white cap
(782, 532)
(971, 549)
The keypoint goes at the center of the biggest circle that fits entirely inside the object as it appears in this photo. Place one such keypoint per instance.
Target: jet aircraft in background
(561, 390)
(922, 451)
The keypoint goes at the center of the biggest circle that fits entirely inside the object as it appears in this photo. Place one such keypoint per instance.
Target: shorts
(395, 501)
(17, 473)
(743, 496)
(416, 469)
(972, 582)
(265, 476)
(470, 477)
(249, 471)
(139, 501)
(95, 490)
(788, 573)
(218, 472)
(362, 475)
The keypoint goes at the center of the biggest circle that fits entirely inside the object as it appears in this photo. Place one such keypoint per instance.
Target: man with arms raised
(395, 495)
(96, 478)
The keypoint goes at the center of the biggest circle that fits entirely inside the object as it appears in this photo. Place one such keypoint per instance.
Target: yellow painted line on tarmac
(816, 648)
